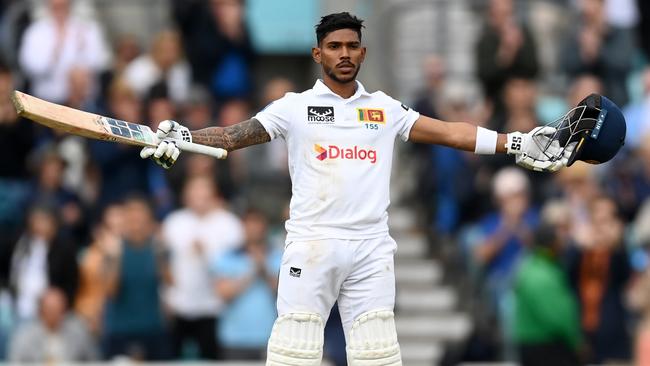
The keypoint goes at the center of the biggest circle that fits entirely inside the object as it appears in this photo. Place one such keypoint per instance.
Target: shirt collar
(321, 89)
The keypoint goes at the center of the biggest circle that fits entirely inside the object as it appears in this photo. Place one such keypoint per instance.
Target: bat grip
(202, 149)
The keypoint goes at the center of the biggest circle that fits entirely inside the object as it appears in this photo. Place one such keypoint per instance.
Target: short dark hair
(333, 22)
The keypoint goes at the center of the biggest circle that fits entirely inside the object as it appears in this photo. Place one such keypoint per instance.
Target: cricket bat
(97, 127)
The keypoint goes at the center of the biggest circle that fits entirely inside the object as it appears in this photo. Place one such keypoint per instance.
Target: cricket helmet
(596, 125)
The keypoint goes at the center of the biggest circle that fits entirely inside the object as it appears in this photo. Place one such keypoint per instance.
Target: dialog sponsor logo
(345, 153)
(322, 153)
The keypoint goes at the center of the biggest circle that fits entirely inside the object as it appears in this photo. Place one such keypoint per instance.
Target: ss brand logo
(516, 143)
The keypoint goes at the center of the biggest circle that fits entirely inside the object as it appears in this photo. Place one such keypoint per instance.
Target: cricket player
(340, 141)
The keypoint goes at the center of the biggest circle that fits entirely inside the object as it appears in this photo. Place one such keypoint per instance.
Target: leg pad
(373, 340)
(296, 340)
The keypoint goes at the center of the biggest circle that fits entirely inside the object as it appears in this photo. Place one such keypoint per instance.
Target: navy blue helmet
(598, 127)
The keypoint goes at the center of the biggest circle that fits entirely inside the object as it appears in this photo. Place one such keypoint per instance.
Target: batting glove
(166, 153)
(538, 149)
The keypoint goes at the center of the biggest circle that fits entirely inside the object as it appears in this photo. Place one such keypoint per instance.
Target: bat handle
(202, 149)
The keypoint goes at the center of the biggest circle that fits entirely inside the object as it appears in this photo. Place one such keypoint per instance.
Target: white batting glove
(537, 150)
(166, 153)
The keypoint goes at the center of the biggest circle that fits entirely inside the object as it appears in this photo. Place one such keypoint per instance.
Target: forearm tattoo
(247, 133)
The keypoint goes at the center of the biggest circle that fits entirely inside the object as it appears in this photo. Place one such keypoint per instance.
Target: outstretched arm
(535, 150)
(459, 135)
(240, 135)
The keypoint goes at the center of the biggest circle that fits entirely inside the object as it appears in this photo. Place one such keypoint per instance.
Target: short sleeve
(404, 117)
(276, 117)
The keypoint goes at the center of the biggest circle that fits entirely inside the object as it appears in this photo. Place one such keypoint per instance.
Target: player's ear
(363, 53)
(315, 54)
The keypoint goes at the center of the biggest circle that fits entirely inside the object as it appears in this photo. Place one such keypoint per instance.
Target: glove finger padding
(543, 130)
(538, 165)
(166, 153)
(160, 150)
(147, 152)
(165, 127)
(176, 154)
(169, 151)
(542, 145)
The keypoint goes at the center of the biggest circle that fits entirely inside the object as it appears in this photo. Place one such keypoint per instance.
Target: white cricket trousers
(360, 274)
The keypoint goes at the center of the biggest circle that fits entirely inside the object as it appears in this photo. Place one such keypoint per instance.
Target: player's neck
(344, 90)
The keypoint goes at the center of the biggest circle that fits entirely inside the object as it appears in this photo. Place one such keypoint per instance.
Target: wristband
(486, 141)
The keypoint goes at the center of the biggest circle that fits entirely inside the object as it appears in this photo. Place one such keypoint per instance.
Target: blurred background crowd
(104, 255)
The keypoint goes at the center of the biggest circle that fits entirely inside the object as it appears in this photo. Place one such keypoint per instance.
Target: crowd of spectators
(104, 255)
(557, 263)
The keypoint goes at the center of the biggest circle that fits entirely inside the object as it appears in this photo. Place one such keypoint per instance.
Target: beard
(330, 71)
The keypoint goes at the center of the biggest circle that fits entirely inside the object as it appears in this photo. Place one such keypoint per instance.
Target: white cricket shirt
(340, 155)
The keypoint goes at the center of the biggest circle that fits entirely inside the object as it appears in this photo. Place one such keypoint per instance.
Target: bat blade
(95, 126)
(81, 123)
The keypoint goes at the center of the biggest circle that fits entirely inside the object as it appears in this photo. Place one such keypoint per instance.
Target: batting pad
(373, 340)
(296, 340)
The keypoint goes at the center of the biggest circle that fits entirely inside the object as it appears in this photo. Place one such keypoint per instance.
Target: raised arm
(459, 135)
(240, 135)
